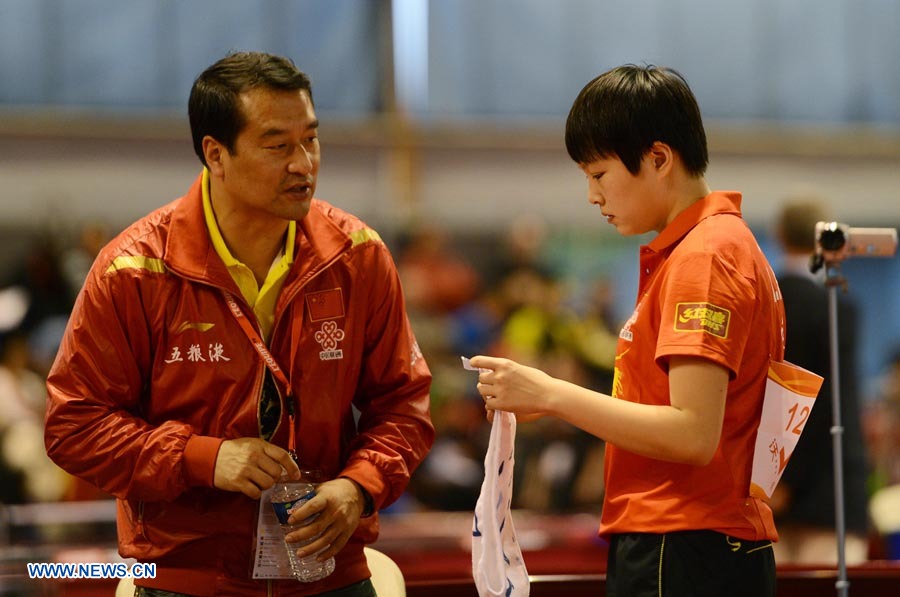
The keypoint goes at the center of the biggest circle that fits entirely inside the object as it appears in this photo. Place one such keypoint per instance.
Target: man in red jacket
(229, 329)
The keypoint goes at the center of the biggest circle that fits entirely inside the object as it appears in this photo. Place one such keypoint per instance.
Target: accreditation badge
(790, 395)
(270, 557)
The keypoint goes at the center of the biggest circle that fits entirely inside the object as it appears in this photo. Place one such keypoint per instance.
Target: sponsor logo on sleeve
(702, 317)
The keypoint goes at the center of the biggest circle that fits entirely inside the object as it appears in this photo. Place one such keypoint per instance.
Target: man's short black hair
(625, 110)
(213, 107)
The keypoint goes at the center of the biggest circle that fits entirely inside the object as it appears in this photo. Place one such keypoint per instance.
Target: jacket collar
(190, 252)
(717, 202)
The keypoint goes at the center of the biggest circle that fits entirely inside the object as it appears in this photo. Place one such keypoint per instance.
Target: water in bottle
(288, 496)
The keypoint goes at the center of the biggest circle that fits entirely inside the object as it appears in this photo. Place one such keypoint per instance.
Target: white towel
(497, 564)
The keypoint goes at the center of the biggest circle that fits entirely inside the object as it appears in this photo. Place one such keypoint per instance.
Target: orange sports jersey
(705, 290)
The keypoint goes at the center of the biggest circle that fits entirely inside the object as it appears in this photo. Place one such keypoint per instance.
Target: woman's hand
(509, 386)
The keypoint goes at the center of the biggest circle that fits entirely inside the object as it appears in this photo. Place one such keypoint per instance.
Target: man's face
(272, 169)
(629, 202)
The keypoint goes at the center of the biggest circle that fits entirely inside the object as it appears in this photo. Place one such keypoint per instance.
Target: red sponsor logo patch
(702, 317)
(325, 304)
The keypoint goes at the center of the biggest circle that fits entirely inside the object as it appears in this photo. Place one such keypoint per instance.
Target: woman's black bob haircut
(625, 110)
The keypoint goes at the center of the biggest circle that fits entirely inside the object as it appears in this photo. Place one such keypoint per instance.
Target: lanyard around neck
(269, 360)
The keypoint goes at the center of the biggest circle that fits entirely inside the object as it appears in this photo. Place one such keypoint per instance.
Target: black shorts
(689, 563)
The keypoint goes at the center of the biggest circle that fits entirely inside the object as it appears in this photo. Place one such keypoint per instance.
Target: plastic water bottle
(288, 496)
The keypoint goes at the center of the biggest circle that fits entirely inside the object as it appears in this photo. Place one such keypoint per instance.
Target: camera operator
(804, 501)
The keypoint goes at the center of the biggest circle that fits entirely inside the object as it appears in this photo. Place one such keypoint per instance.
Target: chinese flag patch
(325, 304)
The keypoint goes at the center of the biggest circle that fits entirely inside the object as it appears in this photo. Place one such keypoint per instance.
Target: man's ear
(214, 152)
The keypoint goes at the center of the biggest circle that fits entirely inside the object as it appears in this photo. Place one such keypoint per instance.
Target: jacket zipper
(288, 403)
(140, 519)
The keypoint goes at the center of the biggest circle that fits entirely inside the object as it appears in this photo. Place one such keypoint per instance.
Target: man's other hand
(250, 465)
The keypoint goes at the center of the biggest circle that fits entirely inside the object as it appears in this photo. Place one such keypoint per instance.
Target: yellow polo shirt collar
(261, 299)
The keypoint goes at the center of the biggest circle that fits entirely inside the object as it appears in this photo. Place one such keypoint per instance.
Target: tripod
(836, 241)
(833, 280)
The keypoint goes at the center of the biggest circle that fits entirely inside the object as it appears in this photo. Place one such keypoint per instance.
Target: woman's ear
(660, 156)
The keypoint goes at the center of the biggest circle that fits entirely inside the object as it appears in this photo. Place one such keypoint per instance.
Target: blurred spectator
(882, 425)
(450, 477)
(882, 428)
(22, 392)
(804, 503)
(41, 277)
(76, 261)
(435, 279)
(27, 473)
(475, 327)
(523, 248)
(594, 335)
(521, 308)
(14, 302)
(537, 322)
(551, 456)
(33, 315)
(13, 408)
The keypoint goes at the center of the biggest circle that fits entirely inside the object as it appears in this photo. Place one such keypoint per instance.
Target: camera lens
(832, 239)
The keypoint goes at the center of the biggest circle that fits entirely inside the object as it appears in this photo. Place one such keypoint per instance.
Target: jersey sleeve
(706, 307)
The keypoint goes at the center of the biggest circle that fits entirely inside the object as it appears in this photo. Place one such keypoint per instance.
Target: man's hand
(250, 465)
(339, 504)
